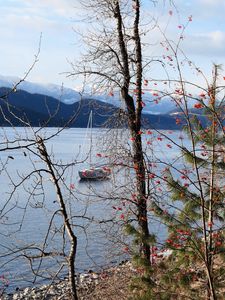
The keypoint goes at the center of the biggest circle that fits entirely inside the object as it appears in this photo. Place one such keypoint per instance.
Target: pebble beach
(89, 286)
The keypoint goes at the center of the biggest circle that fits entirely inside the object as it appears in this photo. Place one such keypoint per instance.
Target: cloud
(210, 9)
(202, 10)
(37, 13)
(22, 21)
(218, 39)
(211, 2)
(58, 8)
(28, 22)
(207, 44)
(33, 17)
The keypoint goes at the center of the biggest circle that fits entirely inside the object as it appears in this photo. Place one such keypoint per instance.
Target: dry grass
(113, 285)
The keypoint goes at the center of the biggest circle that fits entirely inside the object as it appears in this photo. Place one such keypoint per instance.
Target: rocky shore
(111, 283)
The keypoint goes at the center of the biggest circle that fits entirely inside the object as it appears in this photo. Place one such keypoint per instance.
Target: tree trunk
(73, 239)
(142, 197)
(134, 122)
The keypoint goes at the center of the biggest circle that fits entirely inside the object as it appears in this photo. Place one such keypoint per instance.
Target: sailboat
(94, 172)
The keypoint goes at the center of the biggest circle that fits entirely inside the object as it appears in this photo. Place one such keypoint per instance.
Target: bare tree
(118, 64)
(31, 183)
(115, 61)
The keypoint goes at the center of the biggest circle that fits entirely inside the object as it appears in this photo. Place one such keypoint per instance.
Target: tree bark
(73, 239)
(134, 122)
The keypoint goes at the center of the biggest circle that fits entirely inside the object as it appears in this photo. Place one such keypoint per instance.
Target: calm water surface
(88, 203)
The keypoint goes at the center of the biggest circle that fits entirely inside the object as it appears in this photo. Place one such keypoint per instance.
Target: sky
(22, 22)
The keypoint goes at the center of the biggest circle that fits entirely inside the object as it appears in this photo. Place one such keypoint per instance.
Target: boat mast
(90, 126)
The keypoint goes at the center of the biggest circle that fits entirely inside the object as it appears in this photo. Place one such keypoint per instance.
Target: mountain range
(50, 105)
(20, 108)
(70, 96)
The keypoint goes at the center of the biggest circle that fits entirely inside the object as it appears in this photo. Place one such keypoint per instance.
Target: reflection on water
(26, 217)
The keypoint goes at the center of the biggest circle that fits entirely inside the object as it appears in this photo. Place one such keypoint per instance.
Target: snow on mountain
(152, 106)
(69, 96)
(8, 81)
(157, 106)
(61, 93)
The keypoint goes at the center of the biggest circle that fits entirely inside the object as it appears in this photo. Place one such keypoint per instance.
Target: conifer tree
(195, 220)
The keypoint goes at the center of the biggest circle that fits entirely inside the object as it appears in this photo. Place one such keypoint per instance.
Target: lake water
(29, 202)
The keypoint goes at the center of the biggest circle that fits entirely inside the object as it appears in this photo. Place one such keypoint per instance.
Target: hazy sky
(22, 22)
